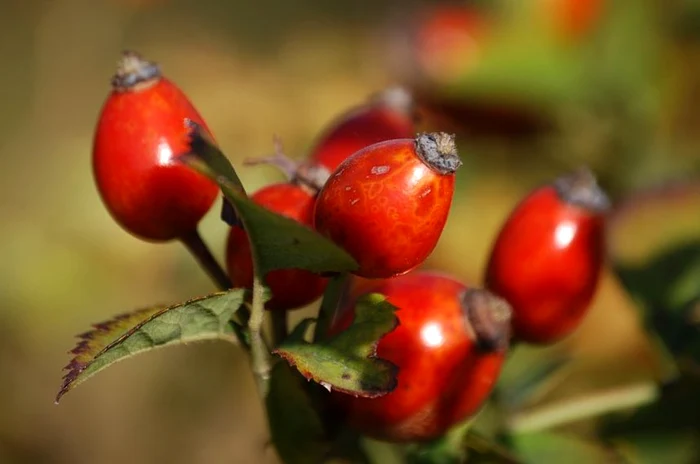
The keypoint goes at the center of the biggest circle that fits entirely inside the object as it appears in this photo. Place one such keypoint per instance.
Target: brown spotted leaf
(205, 318)
(348, 362)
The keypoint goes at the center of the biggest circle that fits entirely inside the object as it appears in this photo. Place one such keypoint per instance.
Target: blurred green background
(621, 98)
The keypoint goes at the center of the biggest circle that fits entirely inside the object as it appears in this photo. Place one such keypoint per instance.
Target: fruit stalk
(259, 354)
(206, 260)
(196, 246)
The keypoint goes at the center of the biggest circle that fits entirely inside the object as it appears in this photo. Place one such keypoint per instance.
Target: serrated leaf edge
(75, 368)
(393, 368)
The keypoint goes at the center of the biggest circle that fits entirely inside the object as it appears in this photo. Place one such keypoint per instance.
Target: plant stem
(280, 327)
(583, 407)
(260, 356)
(204, 257)
(196, 246)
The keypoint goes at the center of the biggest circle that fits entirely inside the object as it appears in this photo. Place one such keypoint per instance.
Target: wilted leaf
(347, 362)
(541, 447)
(277, 242)
(205, 318)
(296, 429)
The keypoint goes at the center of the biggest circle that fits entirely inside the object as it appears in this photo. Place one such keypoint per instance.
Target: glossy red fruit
(387, 116)
(290, 288)
(449, 347)
(548, 256)
(387, 204)
(140, 131)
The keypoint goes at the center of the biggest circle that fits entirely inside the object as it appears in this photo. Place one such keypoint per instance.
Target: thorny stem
(204, 257)
(260, 355)
(280, 327)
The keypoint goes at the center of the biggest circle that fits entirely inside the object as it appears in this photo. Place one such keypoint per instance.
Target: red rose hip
(387, 116)
(290, 288)
(548, 256)
(449, 347)
(387, 204)
(140, 131)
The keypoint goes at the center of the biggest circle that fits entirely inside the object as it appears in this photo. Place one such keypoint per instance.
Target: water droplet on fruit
(379, 170)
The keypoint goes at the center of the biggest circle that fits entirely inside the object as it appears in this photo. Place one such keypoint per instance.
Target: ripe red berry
(548, 256)
(387, 116)
(290, 288)
(387, 204)
(140, 131)
(449, 347)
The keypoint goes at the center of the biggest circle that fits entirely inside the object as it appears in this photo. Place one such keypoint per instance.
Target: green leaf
(665, 431)
(541, 447)
(331, 304)
(212, 157)
(670, 280)
(667, 289)
(654, 238)
(296, 428)
(530, 71)
(530, 373)
(205, 318)
(347, 362)
(448, 449)
(277, 242)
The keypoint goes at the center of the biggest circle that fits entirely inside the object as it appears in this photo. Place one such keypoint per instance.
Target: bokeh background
(532, 93)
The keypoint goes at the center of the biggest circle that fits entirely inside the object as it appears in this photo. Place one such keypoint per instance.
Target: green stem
(280, 327)
(260, 355)
(196, 246)
(583, 407)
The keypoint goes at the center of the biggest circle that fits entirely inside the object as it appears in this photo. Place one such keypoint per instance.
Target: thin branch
(583, 407)
(196, 246)
(260, 355)
(206, 260)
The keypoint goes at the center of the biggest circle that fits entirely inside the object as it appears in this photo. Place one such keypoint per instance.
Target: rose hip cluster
(382, 193)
